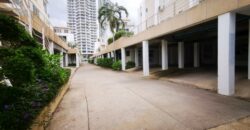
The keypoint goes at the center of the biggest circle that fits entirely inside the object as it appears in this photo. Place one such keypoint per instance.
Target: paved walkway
(101, 99)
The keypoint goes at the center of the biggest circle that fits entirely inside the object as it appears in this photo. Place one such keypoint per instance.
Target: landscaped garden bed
(36, 77)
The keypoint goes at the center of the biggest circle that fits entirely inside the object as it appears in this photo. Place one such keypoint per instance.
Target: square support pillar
(123, 59)
(249, 51)
(226, 54)
(43, 38)
(180, 55)
(196, 55)
(61, 58)
(66, 60)
(164, 55)
(77, 61)
(136, 57)
(108, 55)
(145, 50)
(51, 48)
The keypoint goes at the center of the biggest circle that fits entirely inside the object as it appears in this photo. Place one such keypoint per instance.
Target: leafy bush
(110, 40)
(91, 61)
(117, 65)
(105, 62)
(130, 64)
(120, 34)
(35, 75)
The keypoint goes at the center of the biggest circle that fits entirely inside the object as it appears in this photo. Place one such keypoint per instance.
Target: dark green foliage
(36, 76)
(130, 64)
(13, 34)
(117, 65)
(91, 61)
(105, 62)
(119, 34)
(110, 40)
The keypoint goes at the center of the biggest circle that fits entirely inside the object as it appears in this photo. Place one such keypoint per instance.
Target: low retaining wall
(44, 117)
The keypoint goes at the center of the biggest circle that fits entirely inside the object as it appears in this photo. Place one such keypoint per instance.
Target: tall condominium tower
(82, 20)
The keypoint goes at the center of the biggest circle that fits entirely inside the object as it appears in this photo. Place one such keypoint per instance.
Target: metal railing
(165, 12)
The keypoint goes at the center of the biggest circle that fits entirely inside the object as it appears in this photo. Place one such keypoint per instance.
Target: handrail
(170, 10)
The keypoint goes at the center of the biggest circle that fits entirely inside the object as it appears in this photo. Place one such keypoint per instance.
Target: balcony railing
(166, 12)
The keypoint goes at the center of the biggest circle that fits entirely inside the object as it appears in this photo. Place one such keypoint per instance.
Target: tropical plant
(112, 14)
(117, 65)
(119, 34)
(34, 74)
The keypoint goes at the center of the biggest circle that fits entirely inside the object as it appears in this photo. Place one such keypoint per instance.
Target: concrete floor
(203, 78)
(102, 99)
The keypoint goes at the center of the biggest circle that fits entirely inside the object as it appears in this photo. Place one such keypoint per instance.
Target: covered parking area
(212, 55)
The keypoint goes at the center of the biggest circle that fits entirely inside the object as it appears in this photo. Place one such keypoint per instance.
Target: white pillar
(145, 50)
(108, 55)
(249, 51)
(164, 55)
(226, 54)
(51, 48)
(136, 57)
(61, 59)
(123, 59)
(180, 55)
(196, 55)
(66, 60)
(77, 61)
(43, 38)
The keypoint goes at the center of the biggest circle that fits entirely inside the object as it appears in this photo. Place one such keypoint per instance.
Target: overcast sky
(58, 10)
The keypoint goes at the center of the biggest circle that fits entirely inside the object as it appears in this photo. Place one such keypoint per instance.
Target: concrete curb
(42, 121)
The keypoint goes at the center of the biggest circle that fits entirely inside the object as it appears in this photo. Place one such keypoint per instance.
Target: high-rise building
(82, 20)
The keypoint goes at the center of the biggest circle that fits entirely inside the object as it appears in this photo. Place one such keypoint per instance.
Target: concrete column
(196, 55)
(226, 54)
(145, 50)
(66, 60)
(77, 61)
(180, 55)
(249, 51)
(61, 59)
(123, 59)
(136, 57)
(108, 55)
(43, 38)
(164, 55)
(51, 48)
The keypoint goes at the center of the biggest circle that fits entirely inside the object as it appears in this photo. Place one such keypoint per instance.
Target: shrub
(110, 40)
(130, 64)
(117, 65)
(120, 34)
(91, 61)
(105, 62)
(36, 76)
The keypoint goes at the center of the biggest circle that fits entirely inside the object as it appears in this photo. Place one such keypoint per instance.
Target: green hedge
(117, 65)
(105, 62)
(91, 61)
(35, 75)
(120, 34)
(130, 64)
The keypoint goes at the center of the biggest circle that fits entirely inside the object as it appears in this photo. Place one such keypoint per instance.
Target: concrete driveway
(102, 99)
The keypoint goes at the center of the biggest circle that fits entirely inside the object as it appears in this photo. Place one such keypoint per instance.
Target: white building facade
(82, 20)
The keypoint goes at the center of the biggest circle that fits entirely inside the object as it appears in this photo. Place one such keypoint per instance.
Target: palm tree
(112, 14)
